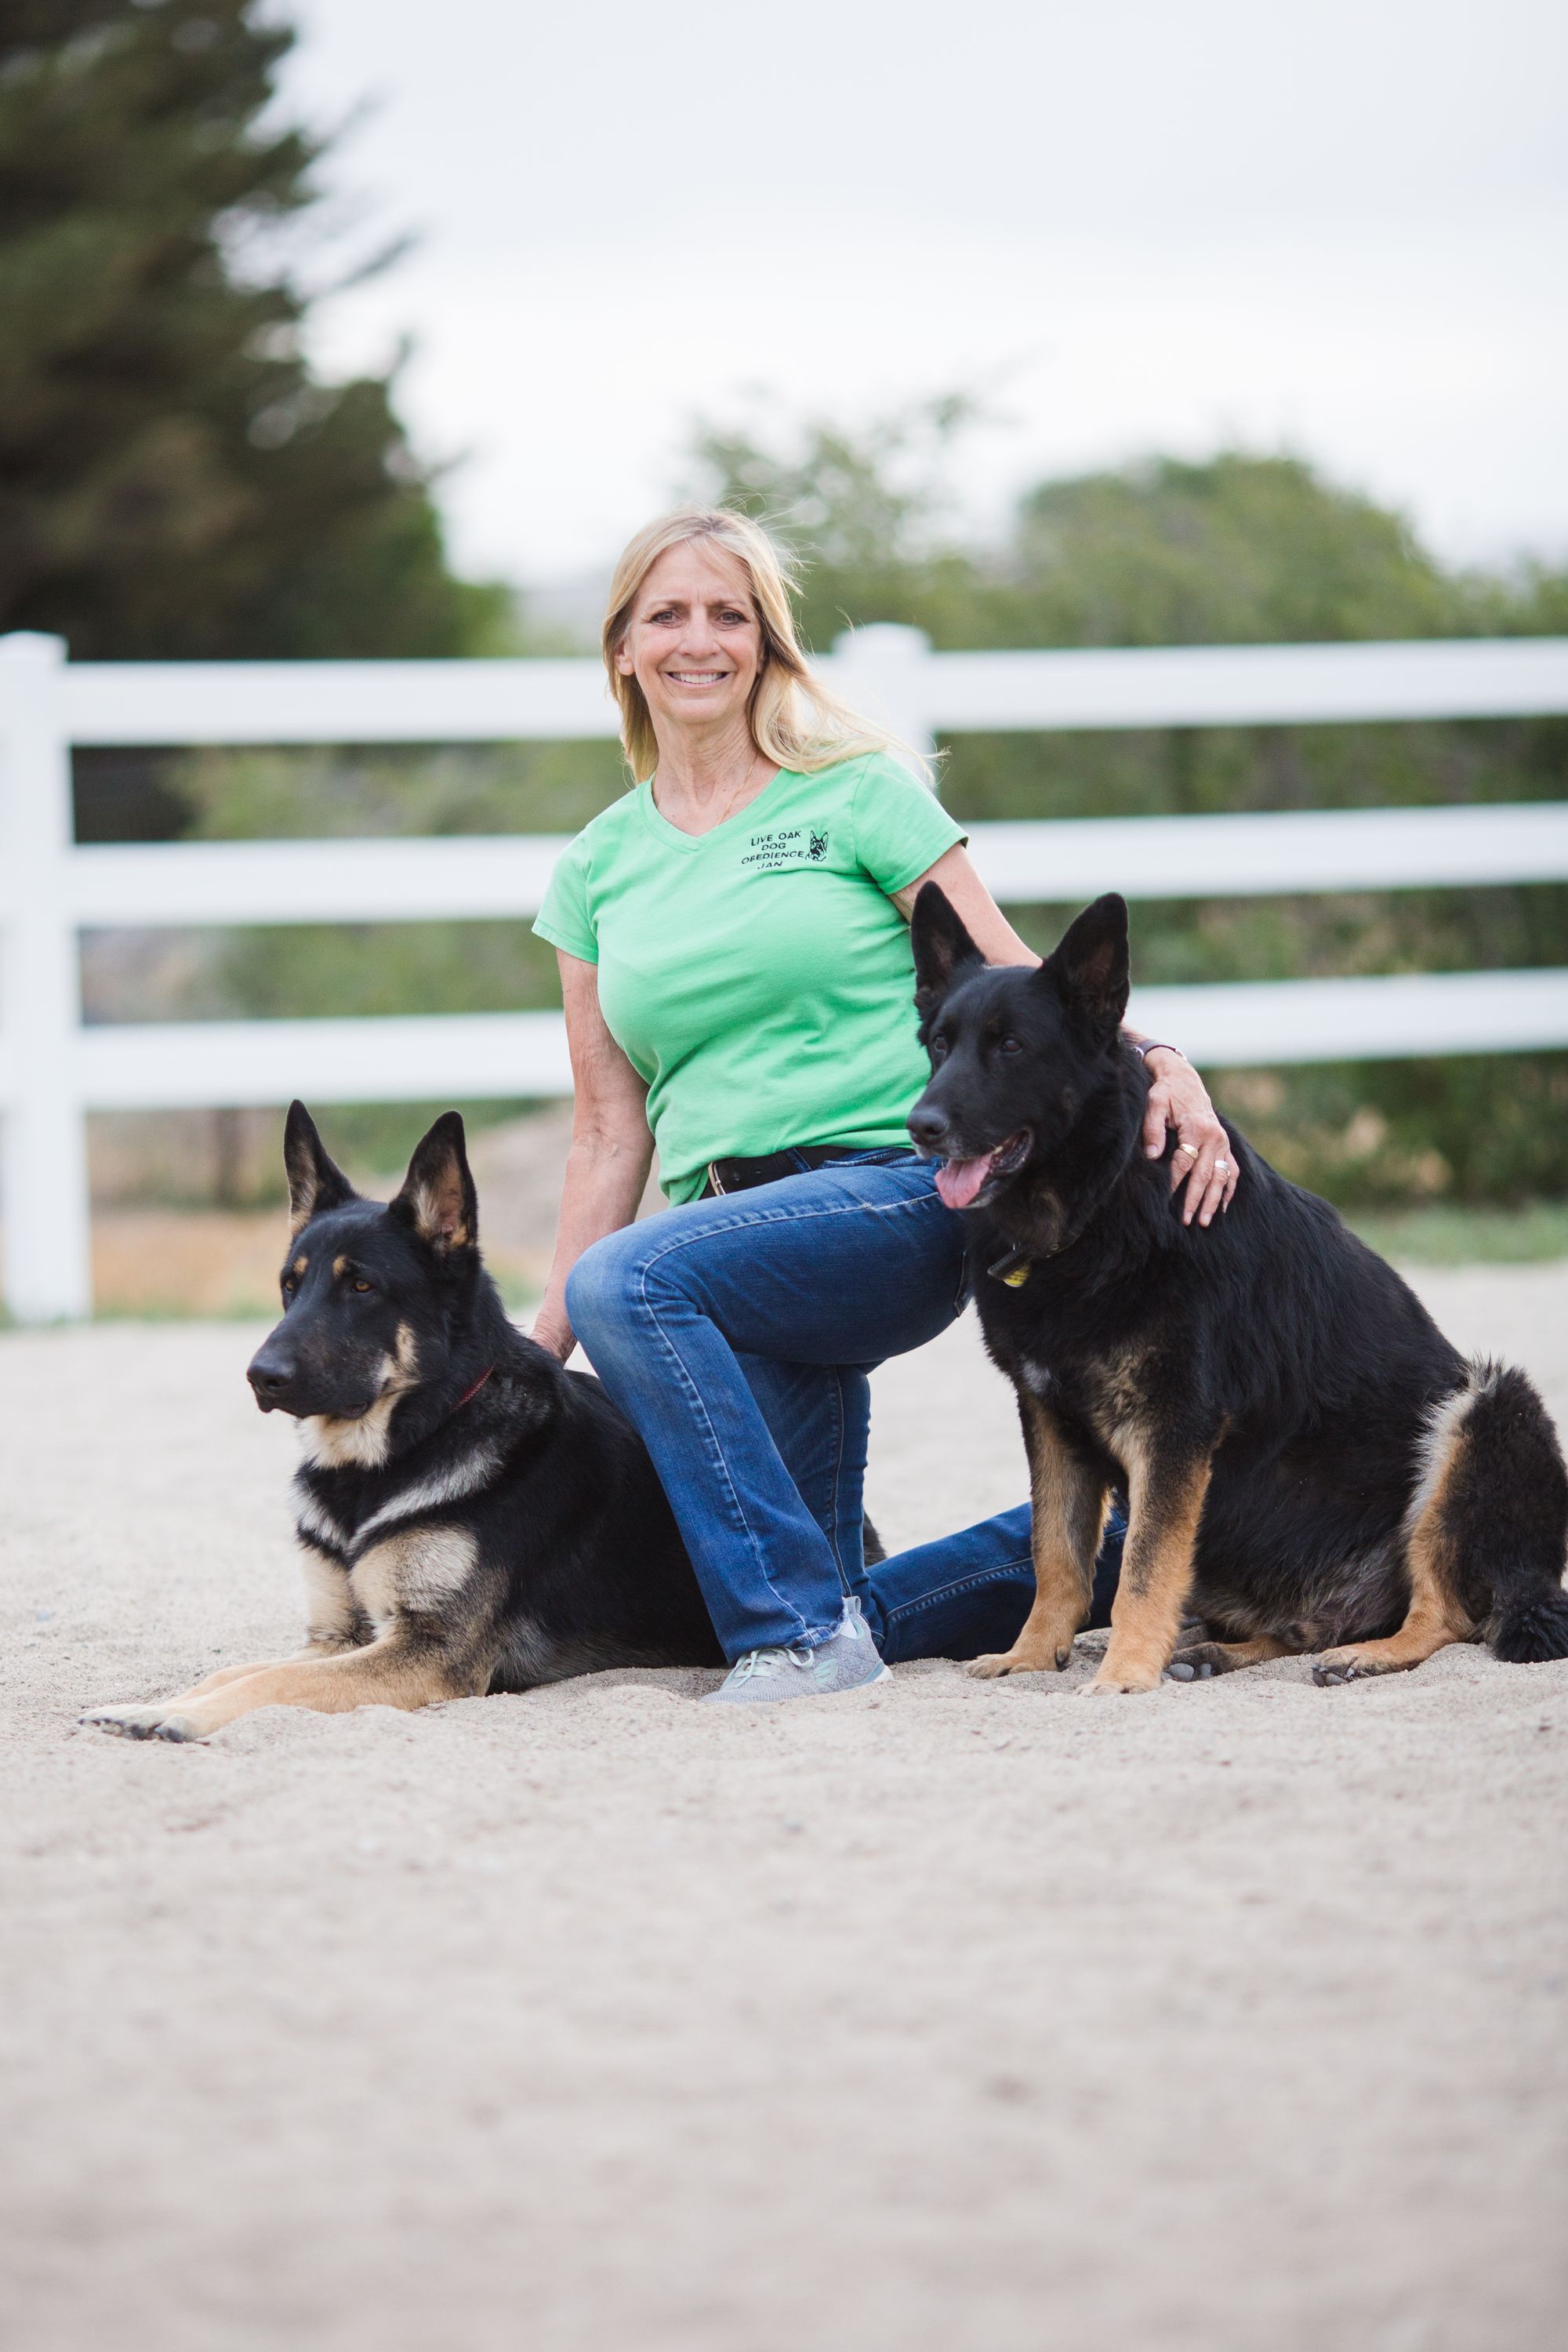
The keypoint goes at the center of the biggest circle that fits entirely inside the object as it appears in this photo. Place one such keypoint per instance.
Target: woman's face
(694, 643)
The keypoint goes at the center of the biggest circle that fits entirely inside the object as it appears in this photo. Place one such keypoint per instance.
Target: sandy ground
(956, 2018)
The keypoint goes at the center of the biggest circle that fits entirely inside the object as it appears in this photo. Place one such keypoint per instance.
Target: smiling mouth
(967, 1183)
(696, 676)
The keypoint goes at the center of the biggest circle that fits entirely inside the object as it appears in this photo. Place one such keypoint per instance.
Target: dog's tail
(1496, 1491)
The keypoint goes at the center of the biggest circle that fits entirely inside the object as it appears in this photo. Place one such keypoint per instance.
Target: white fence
(53, 1070)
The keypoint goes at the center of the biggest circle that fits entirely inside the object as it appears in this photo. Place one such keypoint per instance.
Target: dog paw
(141, 1723)
(1010, 1662)
(1120, 1685)
(1197, 1663)
(1337, 1666)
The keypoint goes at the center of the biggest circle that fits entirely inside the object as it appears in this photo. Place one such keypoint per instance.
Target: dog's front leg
(337, 1623)
(1165, 1492)
(402, 1668)
(1067, 1513)
(222, 1674)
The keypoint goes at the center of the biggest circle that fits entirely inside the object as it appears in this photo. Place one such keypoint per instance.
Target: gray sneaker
(847, 1661)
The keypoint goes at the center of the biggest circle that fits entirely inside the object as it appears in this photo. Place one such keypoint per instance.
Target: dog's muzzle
(272, 1379)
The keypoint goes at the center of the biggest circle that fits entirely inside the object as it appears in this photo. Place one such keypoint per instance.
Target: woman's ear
(622, 659)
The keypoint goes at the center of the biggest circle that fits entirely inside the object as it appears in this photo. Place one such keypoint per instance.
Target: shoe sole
(714, 1698)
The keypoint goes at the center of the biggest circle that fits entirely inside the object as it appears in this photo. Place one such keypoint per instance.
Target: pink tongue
(958, 1181)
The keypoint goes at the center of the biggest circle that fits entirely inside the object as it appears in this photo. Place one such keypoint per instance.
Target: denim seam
(838, 1418)
(962, 1584)
(739, 1224)
(810, 1638)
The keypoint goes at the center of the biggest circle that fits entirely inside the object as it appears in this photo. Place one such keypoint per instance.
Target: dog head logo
(818, 846)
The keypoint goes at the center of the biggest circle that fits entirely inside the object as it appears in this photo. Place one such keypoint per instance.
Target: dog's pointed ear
(1089, 967)
(943, 949)
(438, 1197)
(316, 1183)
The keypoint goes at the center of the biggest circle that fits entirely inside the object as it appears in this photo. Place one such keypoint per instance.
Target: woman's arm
(1178, 1098)
(612, 1150)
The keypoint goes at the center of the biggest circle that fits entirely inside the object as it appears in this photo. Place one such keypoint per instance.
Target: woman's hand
(555, 1335)
(1203, 1160)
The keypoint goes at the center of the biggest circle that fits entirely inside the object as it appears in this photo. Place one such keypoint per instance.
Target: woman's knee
(603, 1287)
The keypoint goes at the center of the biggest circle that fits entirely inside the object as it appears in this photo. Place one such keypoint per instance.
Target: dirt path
(961, 2018)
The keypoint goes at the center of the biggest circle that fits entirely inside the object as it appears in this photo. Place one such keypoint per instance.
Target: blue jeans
(737, 1334)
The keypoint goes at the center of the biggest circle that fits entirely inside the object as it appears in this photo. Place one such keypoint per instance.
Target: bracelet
(1154, 1045)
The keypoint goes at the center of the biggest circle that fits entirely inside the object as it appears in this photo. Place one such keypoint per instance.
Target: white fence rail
(53, 1069)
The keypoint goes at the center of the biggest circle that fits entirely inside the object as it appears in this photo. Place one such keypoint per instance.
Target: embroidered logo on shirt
(788, 845)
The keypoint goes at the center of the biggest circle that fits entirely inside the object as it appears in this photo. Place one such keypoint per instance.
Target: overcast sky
(1336, 227)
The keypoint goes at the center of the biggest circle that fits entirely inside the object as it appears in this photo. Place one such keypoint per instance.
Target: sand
(956, 2017)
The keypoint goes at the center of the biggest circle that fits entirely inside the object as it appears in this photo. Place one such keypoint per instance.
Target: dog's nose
(270, 1377)
(928, 1126)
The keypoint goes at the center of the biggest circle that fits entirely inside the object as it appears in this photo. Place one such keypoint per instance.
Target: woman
(737, 981)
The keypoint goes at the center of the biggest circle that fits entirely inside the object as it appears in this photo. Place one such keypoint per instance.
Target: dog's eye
(364, 1286)
(938, 1049)
(1008, 1046)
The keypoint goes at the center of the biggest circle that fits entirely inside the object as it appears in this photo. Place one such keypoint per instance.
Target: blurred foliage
(290, 795)
(1467, 1236)
(174, 481)
(305, 970)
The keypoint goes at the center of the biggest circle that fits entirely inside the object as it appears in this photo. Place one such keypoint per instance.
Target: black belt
(741, 1175)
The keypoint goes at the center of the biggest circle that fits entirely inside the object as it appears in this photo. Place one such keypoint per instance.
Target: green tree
(174, 481)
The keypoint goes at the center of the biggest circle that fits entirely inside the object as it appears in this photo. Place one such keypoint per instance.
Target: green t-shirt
(758, 977)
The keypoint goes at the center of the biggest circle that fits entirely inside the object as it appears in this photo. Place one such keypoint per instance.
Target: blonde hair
(794, 718)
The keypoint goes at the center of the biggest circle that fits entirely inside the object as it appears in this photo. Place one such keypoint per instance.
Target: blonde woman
(737, 981)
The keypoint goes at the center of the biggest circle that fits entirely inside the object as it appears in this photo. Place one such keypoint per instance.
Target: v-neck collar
(673, 834)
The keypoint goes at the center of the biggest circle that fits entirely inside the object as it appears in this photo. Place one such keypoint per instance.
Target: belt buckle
(714, 1179)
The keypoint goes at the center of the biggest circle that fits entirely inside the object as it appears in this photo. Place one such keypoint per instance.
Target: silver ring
(1221, 1167)
(1188, 1147)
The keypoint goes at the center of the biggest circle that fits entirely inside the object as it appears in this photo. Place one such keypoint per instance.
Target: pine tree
(174, 481)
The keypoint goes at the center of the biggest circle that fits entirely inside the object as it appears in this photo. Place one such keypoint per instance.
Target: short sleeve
(565, 919)
(901, 828)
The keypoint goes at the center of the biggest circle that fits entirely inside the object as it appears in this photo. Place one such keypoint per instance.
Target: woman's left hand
(1203, 1159)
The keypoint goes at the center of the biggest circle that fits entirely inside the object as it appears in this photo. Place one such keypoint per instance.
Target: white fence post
(43, 1197)
(884, 671)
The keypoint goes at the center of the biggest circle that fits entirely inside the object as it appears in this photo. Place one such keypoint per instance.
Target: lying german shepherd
(473, 1518)
(1310, 1464)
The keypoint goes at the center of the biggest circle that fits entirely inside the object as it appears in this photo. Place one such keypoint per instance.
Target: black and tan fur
(473, 1518)
(1309, 1465)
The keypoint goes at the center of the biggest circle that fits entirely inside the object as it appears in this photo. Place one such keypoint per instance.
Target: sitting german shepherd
(1310, 1464)
(473, 1518)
